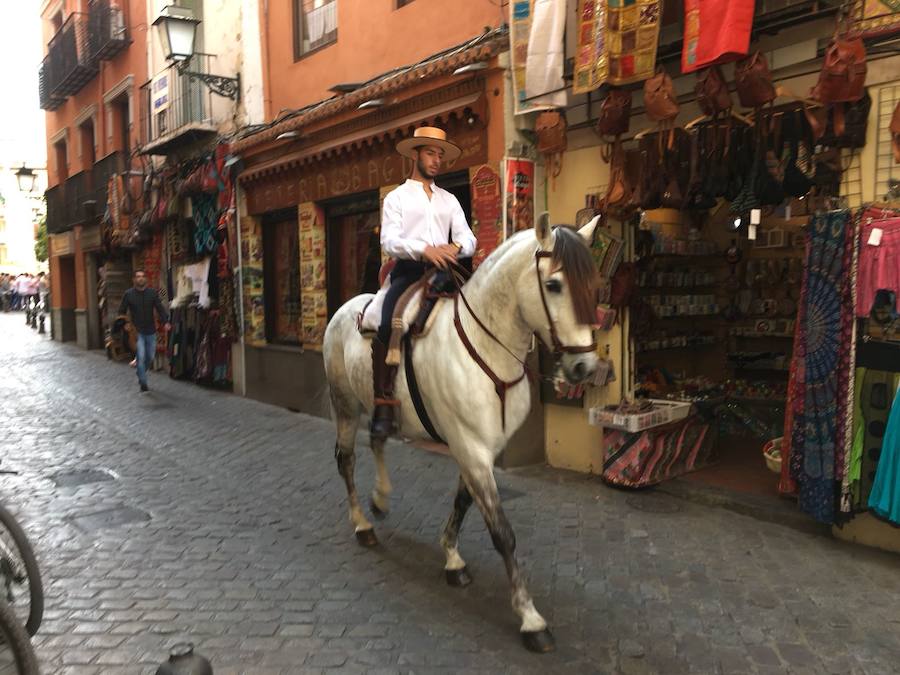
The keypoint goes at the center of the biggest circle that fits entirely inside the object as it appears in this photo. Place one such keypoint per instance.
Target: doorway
(353, 242)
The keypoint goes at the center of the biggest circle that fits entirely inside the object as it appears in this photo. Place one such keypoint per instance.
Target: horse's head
(558, 298)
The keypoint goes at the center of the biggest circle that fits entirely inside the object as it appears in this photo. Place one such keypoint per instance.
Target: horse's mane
(570, 254)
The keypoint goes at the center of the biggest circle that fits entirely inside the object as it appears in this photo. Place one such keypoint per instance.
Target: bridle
(558, 349)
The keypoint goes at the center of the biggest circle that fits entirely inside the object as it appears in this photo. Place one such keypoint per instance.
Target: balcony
(102, 171)
(46, 85)
(108, 25)
(177, 110)
(56, 221)
(80, 205)
(71, 65)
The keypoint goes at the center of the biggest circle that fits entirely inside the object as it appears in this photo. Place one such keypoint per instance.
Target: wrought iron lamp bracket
(229, 87)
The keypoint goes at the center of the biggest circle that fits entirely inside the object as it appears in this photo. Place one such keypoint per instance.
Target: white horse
(539, 281)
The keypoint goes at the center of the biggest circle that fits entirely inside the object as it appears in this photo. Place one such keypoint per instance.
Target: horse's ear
(587, 232)
(542, 231)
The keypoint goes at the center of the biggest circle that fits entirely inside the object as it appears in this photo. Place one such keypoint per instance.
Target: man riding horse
(422, 225)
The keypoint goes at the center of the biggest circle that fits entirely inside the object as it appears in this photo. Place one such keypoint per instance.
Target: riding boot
(383, 384)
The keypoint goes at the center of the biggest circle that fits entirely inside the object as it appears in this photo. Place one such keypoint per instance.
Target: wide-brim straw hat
(429, 136)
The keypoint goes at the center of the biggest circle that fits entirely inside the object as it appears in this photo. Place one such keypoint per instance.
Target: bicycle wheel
(16, 653)
(20, 576)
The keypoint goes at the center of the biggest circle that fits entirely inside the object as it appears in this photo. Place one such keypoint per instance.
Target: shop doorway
(457, 183)
(353, 242)
(281, 277)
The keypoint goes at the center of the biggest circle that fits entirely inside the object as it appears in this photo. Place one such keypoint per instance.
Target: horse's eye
(553, 285)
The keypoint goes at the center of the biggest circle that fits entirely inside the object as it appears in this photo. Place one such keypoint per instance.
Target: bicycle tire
(16, 638)
(32, 571)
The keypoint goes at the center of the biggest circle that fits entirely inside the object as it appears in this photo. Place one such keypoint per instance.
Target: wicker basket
(772, 453)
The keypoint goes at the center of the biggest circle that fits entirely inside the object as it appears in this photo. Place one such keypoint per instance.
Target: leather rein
(501, 386)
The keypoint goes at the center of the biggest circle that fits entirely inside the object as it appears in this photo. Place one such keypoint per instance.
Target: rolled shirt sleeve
(461, 232)
(392, 240)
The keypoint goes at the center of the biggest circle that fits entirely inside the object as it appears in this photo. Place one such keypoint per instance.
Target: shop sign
(350, 174)
(90, 238)
(313, 287)
(159, 93)
(62, 244)
(487, 216)
(519, 195)
(252, 281)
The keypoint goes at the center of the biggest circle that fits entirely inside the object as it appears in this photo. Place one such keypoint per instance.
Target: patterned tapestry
(876, 17)
(617, 42)
(816, 416)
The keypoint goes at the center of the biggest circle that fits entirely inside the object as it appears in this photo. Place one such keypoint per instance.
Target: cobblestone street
(223, 521)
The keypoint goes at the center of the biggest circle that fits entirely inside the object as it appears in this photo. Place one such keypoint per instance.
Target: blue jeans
(146, 349)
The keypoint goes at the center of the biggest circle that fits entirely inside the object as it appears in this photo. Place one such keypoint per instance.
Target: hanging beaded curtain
(816, 416)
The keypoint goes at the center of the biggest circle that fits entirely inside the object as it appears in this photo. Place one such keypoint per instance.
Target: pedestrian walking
(5, 291)
(140, 301)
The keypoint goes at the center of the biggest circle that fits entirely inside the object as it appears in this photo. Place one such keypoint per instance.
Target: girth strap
(414, 393)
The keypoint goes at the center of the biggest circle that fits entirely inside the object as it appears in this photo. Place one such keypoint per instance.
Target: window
(315, 25)
(88, 153)
(281, 277)
(62, 161)
(121, 117)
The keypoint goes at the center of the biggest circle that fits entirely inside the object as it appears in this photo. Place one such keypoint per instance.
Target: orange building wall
(131, 61)
(373, 38)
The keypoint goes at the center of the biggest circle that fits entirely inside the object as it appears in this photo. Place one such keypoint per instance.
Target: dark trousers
(404, 275)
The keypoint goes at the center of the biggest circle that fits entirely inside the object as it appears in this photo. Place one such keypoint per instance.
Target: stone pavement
(237, 538)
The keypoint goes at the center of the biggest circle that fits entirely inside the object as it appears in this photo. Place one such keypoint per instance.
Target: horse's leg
(380, 503)
(346, 460)
(455, 569)
(483, 488)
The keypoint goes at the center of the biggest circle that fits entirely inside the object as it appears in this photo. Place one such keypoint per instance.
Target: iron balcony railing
(103, 170)
(46, 84)
(174, 102)
(71, 63)
(108, 25)
(56, 210)
(79, 198)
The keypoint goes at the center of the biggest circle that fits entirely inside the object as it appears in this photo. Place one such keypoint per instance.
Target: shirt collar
(420, 184)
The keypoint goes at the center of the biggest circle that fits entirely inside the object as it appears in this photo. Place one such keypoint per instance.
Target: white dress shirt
(411, 222)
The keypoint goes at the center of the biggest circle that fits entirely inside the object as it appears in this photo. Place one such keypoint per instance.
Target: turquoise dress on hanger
(884, 499)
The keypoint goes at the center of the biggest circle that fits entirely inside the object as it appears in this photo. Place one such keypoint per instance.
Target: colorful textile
(617, 42)
(652, 456)
(878, 266)
(817, 411)
(884, 499)
(715, 31)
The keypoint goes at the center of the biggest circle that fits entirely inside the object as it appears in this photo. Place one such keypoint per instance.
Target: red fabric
(715, 31)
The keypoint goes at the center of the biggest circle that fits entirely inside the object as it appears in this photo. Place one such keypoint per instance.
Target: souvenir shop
(175, 221)
(749, 330)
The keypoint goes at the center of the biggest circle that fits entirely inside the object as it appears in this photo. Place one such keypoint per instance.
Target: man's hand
(440, 256)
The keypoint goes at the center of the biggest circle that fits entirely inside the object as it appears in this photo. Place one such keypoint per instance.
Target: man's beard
(423, 171)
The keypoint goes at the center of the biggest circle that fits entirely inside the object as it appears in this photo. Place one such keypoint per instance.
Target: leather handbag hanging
(659, 98)
(842, 78)
(550, 128)
(712, 92)
(754, 81)
(615, 113)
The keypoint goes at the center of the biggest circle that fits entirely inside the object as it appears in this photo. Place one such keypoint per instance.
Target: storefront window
(281, 264)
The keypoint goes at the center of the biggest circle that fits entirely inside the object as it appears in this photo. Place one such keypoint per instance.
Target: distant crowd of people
(22, 291)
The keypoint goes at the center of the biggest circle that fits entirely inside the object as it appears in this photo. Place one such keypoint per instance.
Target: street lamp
(177, 28)
(26, 178)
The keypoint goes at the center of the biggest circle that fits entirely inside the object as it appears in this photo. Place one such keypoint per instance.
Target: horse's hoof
(366, 538)
(540, 641)
(376, 512)
(458, 578)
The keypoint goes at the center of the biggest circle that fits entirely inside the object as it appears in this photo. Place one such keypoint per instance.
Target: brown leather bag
(895, 133)
(659, 98)
(754, 81)
(843, 75)
(712, 91)
(615, 113)
(550, 127)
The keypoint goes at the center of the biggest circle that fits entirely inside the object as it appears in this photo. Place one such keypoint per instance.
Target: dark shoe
(383, 386)
(144, 388)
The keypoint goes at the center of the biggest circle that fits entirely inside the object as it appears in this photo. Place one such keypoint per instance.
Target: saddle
(413, 312)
